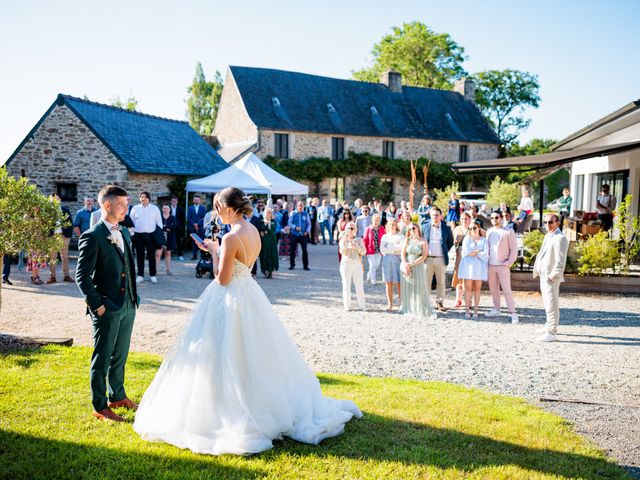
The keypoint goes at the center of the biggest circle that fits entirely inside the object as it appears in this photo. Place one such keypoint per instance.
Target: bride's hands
(210, 246)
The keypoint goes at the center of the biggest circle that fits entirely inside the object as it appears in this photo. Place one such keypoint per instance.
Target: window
(462, 153)
(337, 189)
(337, 148)
(68, 192)
(282, 145)
(388, 150)
(617, 181)
(578, 194)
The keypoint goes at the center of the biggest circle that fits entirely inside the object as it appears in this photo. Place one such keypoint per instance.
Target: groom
(106, 277)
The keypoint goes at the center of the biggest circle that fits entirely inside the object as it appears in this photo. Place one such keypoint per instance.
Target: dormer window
(331, 108)
(374, 111)
(275, 101)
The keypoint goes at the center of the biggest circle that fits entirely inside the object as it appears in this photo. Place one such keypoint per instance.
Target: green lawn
(410, 429)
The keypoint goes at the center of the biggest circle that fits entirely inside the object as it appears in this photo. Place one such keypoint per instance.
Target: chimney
(466, 88)
(393, 80)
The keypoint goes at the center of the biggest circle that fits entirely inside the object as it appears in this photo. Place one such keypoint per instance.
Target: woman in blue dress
(473, 267)
(414, 293)
(453, 215)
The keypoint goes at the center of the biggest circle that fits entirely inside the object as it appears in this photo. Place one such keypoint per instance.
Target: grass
(410, 429)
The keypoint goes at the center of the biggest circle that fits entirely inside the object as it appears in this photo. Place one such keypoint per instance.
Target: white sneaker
(492, 313)
(541, 330)
(514, 318)
(139, 279)
(154, 279)
(548, 337)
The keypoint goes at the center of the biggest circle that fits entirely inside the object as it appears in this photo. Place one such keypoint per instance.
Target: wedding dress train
(236, 381)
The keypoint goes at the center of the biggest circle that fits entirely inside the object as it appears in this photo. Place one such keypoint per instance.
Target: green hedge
(316, 169)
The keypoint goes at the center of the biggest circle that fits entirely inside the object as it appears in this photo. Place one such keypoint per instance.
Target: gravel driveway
(597, 357)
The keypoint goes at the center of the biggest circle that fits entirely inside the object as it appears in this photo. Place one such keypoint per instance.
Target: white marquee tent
(251, 175)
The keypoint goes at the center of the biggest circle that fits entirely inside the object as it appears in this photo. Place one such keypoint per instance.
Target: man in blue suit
(300, 224)
(195, 221)
(440, 239)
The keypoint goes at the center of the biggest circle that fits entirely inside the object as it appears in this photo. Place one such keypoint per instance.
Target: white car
(478, 198)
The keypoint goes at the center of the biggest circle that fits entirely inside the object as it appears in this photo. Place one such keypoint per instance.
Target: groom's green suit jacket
(103, 274)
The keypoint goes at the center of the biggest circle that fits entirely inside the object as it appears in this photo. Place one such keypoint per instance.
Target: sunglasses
(549, 222)
(495, 218)
(350, 228)
(473, 228)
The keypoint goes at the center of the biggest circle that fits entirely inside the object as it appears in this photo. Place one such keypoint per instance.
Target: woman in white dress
(236, 381)
(473, 268)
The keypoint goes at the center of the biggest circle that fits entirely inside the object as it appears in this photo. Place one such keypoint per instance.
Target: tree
(130, 103)
(500, 191)
(535, 146)
(503, 96)
(629, 231)
(423, 57)
(442, 196)
(27, 220)
(203, 101)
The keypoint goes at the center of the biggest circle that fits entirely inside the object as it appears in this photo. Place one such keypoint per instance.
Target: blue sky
(584, 52)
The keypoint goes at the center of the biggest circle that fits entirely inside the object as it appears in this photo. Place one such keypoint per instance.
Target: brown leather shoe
(440, 307)
(52, 280)
(67, 278)
(125, 403)
(108, 415)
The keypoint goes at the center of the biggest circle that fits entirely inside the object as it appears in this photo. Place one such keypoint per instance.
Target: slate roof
(144, 143)
(281, 100)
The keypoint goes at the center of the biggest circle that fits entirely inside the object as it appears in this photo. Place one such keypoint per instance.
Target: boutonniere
(112, 239)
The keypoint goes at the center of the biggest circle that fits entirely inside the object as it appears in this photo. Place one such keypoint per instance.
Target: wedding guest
(564, 206)
(178, 213)
(549, 266)
(453, 214)
(269, 249)
(440, 240)
(257, 220)
(82, 219)
(372, 235)
(146, 217)
(209, 222)
(459, 234)
(473, 268)
(300, 226)
(34, 265)
(605, 205)
(169, 228)
(195, 220)
(508, 222)
(503, 208)
(313, 215)
(351, 271)
(403, 207)
(424, 210)
(337, 214)
(405, 221)
(276, 211)
(503, 250)
(357, 208)
(392, 211)
(363, 221)
(6, 270)
(95, 218)
(414, 291)
(325, 218)
(525, 209)
(284, 248)
(65, 231)
(391, 249)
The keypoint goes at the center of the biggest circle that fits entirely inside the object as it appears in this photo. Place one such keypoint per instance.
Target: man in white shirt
(605, 205)
(146, 217)
(440, 240)
(503, 251)
(549, 266)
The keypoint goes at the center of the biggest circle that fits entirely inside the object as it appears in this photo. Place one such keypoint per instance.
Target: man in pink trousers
(503, 250)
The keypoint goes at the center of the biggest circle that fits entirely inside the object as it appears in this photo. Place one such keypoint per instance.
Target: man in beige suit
(549, 266)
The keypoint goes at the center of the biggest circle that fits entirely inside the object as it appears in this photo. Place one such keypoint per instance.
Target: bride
(236, 381)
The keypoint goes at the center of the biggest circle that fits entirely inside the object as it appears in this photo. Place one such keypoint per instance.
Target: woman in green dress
(269, 250)
(414, 292)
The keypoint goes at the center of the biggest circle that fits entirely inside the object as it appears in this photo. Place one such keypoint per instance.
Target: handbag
(159, 238)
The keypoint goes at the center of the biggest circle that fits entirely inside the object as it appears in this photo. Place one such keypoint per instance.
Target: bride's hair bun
(235, 198)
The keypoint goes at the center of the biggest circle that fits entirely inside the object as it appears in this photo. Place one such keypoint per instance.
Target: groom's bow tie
(116, 227)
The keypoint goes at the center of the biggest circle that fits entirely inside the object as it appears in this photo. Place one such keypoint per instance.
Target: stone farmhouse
(296, 115)
(79, 146)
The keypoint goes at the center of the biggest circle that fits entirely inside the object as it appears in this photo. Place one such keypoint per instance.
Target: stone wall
(63, 150)
(305, 145)
(233, 124)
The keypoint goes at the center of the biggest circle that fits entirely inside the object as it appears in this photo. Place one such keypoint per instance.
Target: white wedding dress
(236, 381)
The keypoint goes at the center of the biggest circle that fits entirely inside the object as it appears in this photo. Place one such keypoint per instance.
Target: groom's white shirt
(551, 259)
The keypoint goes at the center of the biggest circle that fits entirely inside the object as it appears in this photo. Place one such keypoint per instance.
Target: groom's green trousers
(111, 338)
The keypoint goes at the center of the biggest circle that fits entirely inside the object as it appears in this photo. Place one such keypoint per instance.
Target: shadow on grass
(385, 439)
(27, 457)
(326, 380)
(24, 357)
